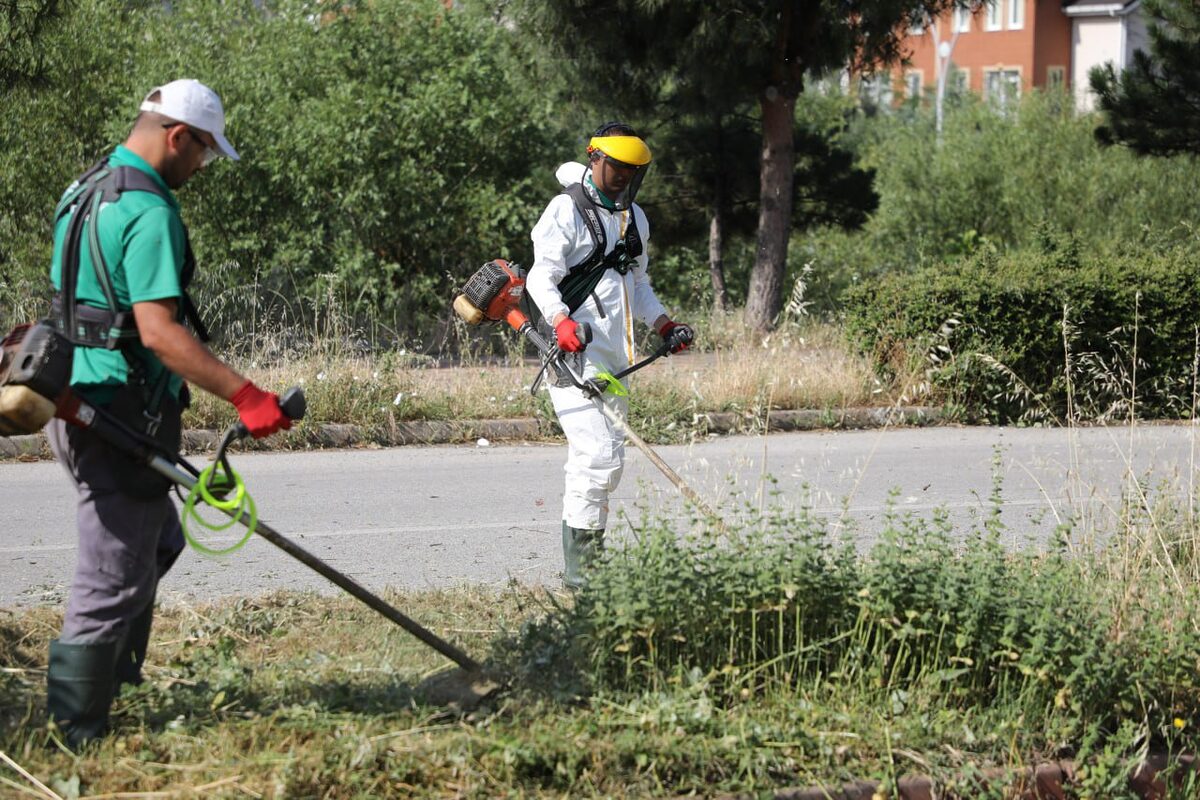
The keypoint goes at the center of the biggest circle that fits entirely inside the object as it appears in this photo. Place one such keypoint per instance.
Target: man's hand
(259, 410)
(678, 334)
(566, 330)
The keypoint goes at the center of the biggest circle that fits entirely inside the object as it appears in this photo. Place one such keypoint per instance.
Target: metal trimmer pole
(376, 603)
(655, 459)
(544, 348)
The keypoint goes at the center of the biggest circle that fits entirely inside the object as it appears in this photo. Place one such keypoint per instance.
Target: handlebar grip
(293, 403)
(584, 332)
(680, 336)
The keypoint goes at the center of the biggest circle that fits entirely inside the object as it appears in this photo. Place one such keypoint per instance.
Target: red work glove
(567, 333)
(259, 410)
(683, 335)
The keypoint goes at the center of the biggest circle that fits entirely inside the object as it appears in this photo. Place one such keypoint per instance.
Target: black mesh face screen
(484, 285)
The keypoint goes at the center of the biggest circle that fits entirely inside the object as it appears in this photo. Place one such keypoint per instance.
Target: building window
(958, 80)
(1002, 87)
(1056, 77)
(876, 90)
(962, 20)
(912, 84)
(995, 15)
(918, 23)
(1016, 14)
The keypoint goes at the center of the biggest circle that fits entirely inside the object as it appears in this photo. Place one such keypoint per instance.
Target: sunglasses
(210, 154)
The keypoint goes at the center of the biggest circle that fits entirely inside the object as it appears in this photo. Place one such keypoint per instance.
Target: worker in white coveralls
(590, 266)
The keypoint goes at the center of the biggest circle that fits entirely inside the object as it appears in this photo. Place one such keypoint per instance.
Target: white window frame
(920, 80)
(994, 18)
(1008, 102)
(878, 89)
(959, 84)
(1016, 15)
(962, 20)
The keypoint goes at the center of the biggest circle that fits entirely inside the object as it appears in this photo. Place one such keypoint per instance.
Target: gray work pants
(126, 544)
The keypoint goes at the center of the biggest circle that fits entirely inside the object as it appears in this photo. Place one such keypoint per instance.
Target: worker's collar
(601, 196)
(124, 157)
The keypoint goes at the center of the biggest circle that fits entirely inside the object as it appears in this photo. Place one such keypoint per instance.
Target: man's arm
(181, 352)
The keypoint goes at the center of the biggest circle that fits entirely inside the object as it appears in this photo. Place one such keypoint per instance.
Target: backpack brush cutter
(493, 294)
(35, 368)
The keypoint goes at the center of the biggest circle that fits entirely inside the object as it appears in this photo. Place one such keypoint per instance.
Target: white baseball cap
(192, 103)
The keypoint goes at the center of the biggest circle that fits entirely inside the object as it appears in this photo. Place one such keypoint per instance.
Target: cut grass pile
(765, 656)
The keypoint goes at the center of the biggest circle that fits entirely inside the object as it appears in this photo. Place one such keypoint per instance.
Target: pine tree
(1154, 105)
(723, 58)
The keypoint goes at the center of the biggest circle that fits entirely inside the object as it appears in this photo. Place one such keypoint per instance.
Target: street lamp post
(944, 50)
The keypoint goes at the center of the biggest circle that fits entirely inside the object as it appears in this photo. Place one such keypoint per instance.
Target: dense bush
(387, 148)
(998, 180)
(928, 621)
(989, 331)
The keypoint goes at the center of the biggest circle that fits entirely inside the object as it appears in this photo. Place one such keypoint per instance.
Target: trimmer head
(458, 689)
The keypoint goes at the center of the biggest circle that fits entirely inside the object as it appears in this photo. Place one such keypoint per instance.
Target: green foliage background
(1046, 334)
(387, 148)
(1001, 180)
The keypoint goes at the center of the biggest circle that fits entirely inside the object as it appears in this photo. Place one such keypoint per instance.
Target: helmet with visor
(624, 158)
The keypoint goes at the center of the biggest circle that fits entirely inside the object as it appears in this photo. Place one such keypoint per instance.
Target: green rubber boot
(79, 689)
(132, 654)
(581, 547)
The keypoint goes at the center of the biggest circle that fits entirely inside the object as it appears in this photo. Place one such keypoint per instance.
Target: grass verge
(797, 368)
(747, 659)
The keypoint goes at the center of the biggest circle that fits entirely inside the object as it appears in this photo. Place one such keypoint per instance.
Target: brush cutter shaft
(654, 457)
(589, 390)
(376, 603)
(180, 472)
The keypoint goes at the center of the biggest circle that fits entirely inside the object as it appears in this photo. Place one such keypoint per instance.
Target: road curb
(427, 432)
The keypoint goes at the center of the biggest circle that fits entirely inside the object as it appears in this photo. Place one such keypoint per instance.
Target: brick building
(1001, 48)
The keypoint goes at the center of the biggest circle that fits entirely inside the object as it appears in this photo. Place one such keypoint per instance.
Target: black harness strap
(81, 323)
(112, 327)
(581, 279)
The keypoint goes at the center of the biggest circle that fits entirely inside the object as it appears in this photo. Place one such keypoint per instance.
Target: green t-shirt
(143, 241)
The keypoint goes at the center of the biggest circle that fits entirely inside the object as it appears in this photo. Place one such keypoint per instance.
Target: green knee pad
(581, 547)
(79, 689)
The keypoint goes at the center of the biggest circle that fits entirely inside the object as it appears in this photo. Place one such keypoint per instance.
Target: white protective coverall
(596, 451)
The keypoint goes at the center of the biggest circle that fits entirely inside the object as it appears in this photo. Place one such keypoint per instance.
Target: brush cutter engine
(492, 293)
(35, 370)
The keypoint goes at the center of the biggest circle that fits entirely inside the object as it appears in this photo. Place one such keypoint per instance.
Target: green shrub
(997, 180)
(990, 329)
(924, 622)
(388, 148)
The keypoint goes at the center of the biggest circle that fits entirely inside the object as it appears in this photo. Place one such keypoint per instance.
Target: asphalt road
(421, 517)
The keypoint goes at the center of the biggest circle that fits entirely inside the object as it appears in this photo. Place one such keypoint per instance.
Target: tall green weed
(923, 622)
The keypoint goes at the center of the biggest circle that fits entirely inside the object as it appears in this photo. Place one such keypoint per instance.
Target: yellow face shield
(625, 153)
(629, 150)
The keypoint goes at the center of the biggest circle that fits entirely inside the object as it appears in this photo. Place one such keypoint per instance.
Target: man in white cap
(122, 264)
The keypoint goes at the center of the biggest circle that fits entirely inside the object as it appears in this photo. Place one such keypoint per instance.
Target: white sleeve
(646, 305)
(553, 239)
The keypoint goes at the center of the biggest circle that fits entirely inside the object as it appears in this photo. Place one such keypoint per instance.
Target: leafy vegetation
(1151, 104)
(1050, 336)
(386, 147)
(765, 655)
(1003, 182)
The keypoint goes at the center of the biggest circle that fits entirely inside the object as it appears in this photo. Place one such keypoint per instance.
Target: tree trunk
(716, 252)
(776, 175)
